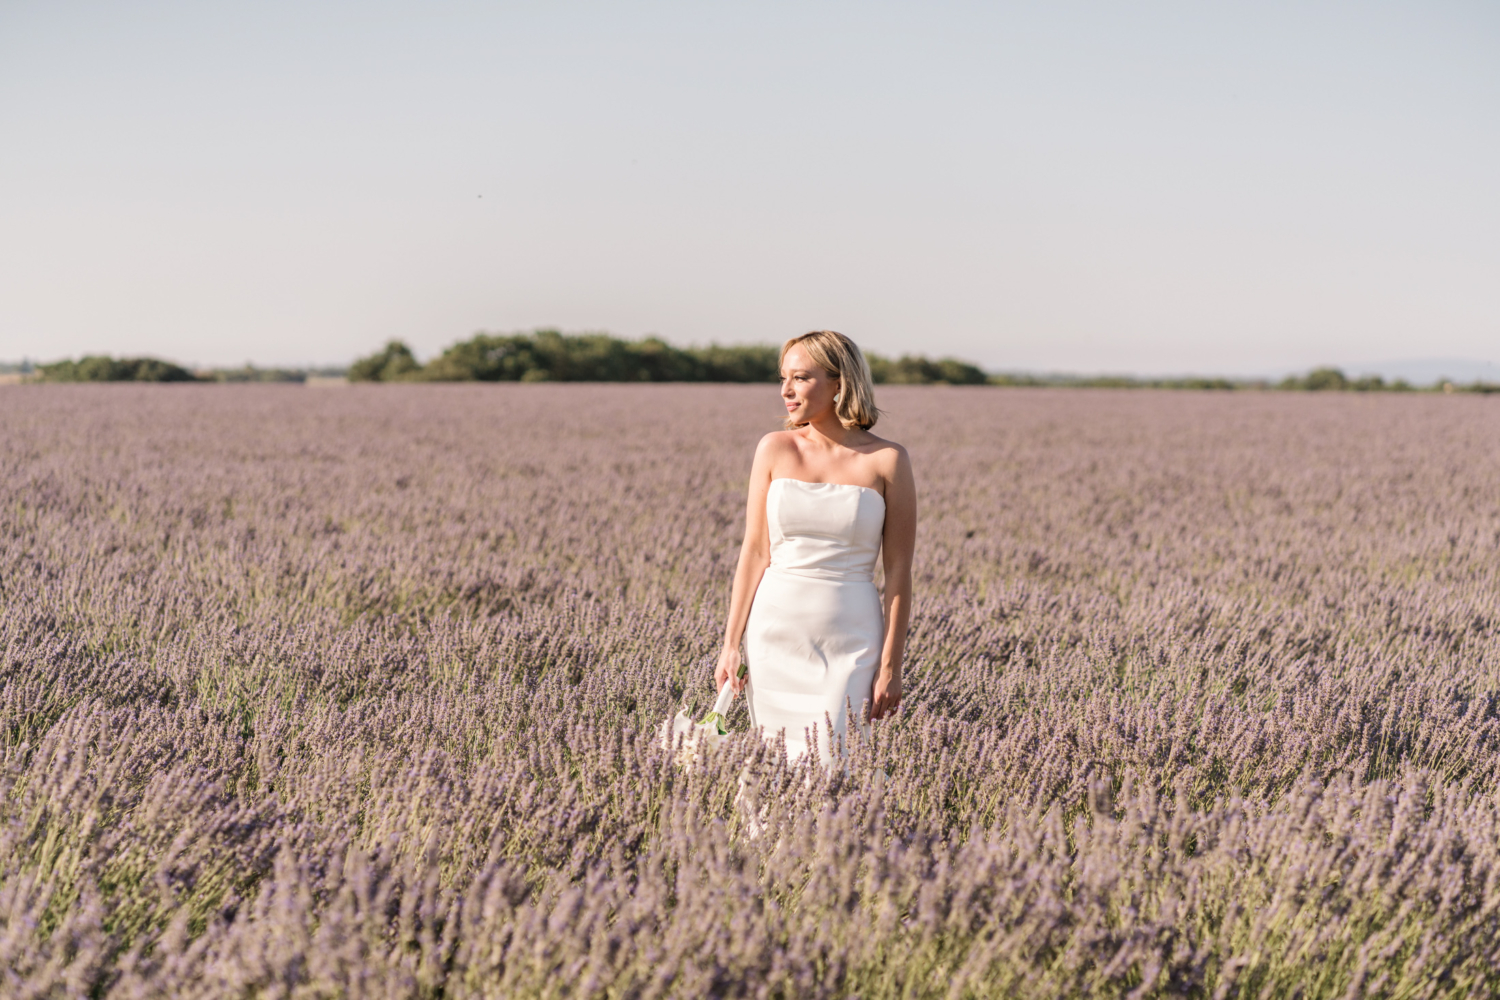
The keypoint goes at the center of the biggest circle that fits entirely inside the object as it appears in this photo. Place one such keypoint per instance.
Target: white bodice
(825, 530)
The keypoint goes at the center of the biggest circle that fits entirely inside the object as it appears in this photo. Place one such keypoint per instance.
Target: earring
(837, 396)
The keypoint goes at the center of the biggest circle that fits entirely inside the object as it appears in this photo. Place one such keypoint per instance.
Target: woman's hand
(729, 669)
(887, 695)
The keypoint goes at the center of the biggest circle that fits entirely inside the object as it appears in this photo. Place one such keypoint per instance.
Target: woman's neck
(828, 431)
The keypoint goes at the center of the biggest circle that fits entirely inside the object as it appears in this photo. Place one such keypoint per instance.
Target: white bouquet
(680, 732)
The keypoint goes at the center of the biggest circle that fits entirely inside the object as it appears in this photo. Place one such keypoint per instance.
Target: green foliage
(549, 356)
(1118, 382)
(911, 369)
(1317, 380)
(1194, 383)
(392, 363)
(102, 368)
(740, 363)
(250, 373)
(553, 356)
(1332, 379)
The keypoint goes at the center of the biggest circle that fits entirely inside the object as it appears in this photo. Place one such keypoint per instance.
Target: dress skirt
(813, 644)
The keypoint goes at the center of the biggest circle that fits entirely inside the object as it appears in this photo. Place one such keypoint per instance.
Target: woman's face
(806, 389)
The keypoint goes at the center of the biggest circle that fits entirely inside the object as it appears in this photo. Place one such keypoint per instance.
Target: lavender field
(353, 693)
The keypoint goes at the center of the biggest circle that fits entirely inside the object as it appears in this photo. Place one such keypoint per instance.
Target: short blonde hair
(840, 357)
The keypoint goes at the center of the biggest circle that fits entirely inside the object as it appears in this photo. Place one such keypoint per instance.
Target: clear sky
(1146, 187)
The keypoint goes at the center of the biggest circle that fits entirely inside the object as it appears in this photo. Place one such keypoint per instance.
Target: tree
(392, 363)
(915, 369)
(1317, 380)
(103, 368)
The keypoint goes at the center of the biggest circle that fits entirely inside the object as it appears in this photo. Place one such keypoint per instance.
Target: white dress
(816, 627)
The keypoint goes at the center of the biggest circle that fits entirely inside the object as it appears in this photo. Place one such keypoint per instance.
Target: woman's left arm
(897, 547)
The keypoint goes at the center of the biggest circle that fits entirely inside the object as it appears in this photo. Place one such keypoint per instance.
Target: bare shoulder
(776, 443)
(773, 450)
(891, 464)
(889, 456)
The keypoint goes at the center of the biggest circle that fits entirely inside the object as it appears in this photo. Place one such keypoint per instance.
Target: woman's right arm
(755, 556)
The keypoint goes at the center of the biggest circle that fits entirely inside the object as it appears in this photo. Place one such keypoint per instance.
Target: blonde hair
(839, 356)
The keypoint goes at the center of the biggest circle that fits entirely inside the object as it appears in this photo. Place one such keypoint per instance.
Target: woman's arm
(755, 556)
(897, 548)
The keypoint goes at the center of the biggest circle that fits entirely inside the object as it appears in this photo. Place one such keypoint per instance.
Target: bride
(826, 497)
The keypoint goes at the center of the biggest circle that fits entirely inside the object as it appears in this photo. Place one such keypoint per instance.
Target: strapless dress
(816, 626)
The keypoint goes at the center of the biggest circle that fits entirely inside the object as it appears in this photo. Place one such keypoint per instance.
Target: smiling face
(806, 389)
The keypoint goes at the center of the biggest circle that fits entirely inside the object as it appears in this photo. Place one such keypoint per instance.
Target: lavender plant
(356, 693)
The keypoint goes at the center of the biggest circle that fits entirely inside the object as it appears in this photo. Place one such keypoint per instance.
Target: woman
(826, 497)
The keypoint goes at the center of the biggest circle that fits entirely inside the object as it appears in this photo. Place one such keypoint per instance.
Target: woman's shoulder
(883, 449)
(774, 447)
(889, 458)
(775, 441)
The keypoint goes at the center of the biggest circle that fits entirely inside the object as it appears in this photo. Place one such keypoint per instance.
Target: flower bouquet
(684, 735)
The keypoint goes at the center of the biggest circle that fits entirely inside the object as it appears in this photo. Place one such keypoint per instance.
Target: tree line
(552, 356)
(104, 368)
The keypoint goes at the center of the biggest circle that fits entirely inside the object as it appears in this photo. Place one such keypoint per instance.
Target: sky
(1233, 188)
